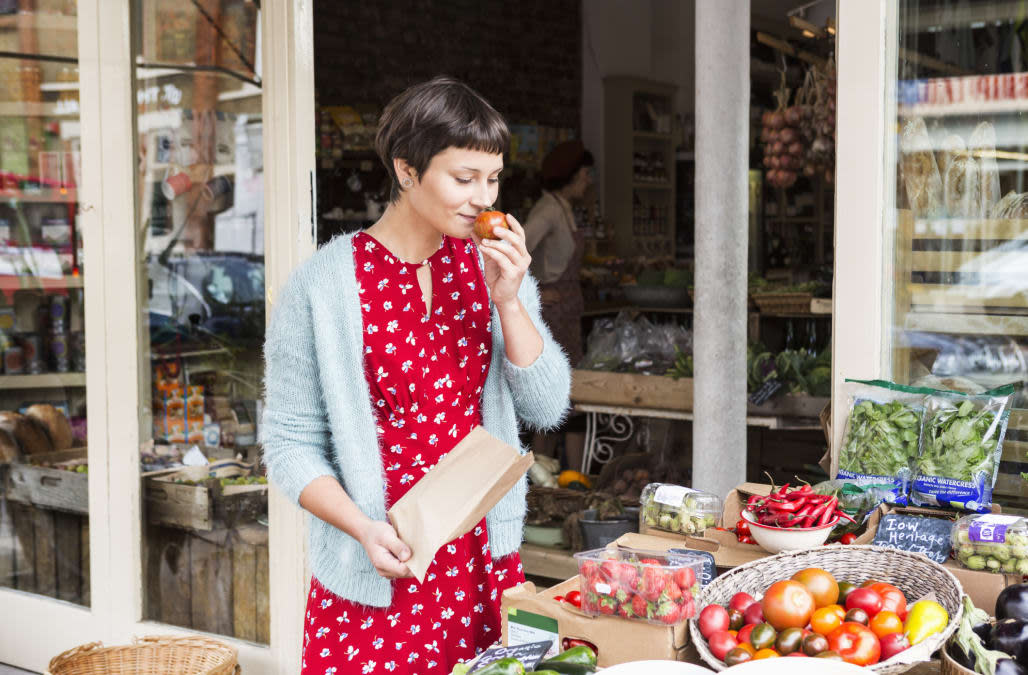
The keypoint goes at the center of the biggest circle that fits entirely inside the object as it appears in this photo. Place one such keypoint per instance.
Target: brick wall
(523, 56)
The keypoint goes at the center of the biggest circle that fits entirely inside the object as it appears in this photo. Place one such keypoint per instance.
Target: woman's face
(456, 186)
(581, 182)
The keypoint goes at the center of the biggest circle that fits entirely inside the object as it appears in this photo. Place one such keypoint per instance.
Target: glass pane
(44, 519)
(959, 225)
(201, 219)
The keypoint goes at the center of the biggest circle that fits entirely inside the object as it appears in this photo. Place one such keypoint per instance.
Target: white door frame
(114, 279)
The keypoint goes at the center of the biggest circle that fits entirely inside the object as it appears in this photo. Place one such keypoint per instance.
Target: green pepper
(566, 668)
(581, 654)
(545, 672)
(508, 666)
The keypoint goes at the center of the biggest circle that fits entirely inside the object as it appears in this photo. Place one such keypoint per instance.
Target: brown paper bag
(455, 495)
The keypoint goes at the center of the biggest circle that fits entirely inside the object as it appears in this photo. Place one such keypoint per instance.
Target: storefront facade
(188, 196)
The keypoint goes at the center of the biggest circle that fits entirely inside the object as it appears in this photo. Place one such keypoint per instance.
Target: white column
(719, 342)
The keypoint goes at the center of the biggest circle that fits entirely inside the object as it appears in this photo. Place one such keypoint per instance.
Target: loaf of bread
(983, 146)
(55, 423)
(963, 187)
(952, 146)
(9, 451)
(31, 437)
(920, 171)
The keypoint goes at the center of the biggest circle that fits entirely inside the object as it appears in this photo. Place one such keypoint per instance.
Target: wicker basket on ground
(553, 505)
(783, 303)
(155, 655)
(912, 573)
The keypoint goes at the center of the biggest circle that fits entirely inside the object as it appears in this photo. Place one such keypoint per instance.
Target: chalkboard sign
(530, 655)
(917, 534)
(709, 567)
(766, 391)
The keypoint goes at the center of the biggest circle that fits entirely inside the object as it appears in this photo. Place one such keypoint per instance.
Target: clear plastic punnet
(678, 509)
(992, 543)
(656, 587)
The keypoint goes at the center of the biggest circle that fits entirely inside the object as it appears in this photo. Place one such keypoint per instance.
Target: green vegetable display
(579, 660)
(508, 666)
(685, 511)
(881, 438)
(799, 370)
(960, 443)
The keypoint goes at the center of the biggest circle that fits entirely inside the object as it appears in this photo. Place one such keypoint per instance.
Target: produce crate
(42, 483)
(790, 405)
(207, 504)
(47, 552)
(214, 581)
(657, 392)
(783, 303)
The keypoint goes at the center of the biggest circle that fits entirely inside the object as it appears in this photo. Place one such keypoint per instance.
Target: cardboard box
(529, 616)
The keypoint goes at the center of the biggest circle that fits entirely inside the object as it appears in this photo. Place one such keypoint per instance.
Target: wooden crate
(39, 482)
(44, 551)
(626, 389)
(206, 505)
(214, 581)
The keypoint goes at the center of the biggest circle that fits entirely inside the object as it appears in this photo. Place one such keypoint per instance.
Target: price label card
(917, 534)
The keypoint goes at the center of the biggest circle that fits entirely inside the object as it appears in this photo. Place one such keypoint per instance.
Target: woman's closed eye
(469, 181)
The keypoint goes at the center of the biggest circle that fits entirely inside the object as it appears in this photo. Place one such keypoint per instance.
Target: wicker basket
(783, 303)
(951, 667)
(155, 655)
(912, 573)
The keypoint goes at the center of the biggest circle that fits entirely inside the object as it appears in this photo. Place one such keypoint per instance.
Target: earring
(406, 182)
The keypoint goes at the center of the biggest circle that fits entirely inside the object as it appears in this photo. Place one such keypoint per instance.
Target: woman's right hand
(387, 552)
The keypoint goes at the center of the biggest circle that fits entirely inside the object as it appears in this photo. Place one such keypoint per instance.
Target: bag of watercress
(880, 441)
(961, 445)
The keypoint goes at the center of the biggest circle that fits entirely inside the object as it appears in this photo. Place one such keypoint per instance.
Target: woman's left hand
(506, 262)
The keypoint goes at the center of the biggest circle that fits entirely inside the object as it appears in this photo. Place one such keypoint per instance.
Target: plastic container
(656, 587)
(678, 509)
(992, 543)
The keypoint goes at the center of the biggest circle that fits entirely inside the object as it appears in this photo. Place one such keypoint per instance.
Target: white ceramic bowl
(658, 668)
(795, 667)
(778, 539)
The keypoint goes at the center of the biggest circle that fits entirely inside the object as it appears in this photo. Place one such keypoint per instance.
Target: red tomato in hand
(721, 642)
(856, 644)
(893, 644)
(866, 599)
(487, 222)
(847, 538)
(788, 604)
(892, 599)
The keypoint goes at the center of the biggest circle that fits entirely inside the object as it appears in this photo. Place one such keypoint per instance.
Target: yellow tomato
(766, 654)
(826, 620)
(886, 622)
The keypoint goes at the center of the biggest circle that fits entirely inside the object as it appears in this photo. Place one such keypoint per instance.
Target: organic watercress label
(991, 529)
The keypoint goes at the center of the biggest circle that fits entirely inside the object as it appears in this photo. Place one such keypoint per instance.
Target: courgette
(581, 654)
(564, 668)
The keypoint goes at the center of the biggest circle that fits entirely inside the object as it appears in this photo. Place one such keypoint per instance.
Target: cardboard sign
(529, 654)
(709, 567)
(766, 391)
(917, 534)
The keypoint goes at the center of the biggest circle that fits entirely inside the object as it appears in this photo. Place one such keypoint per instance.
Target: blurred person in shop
(557, 244)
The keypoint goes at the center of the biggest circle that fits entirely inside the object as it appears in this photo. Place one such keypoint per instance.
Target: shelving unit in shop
(944, 287)
(639, 166)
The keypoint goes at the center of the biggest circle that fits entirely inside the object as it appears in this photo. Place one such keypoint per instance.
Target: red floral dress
(426, 373)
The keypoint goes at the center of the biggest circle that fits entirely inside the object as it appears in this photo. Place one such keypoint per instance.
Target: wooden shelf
(970, 324)
(651, 186)
(25, 109)
(41, 21)
(43, 381)
(68, 196)
(548, 563)
(14, 283)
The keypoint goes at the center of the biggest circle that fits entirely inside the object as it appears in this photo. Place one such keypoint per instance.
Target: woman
(384, 350)
(556, 244)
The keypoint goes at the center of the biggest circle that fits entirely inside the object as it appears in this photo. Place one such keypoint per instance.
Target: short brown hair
(432, 116)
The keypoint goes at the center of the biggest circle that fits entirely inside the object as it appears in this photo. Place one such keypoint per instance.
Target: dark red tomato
(848, 538)
(893, 644)
(574, 598)
(866, 599)
(742, 527)
(735, 619)
(745, 635)
(722, 642)
(741, 601)
(893, 599)
(753, 614)
(487, 222)
(856, 644)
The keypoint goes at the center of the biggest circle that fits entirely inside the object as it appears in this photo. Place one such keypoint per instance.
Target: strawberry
(685, 577)
(588, 569)
(687, 607)
(668, 613)
(654, 583)
(650, 561)
(628, 575)
(611, 569)
(608, 606)
(590, 602)
(673, 593)
(621, 595)
(639, 605)
(625, 611)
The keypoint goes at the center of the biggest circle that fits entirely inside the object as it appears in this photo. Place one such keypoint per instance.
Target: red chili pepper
(808, 521)
(827, 515)
(805, 489)
(818, 499)
(746, 540)
(788, 507)
(742, 527)
(559, 598)
(844, 516)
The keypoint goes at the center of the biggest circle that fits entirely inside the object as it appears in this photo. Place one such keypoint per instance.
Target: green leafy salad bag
(880, 443)
(961, 446)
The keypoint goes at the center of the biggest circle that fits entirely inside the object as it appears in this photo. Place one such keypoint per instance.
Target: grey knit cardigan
(318, 417)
